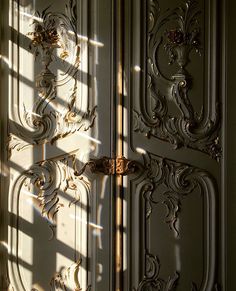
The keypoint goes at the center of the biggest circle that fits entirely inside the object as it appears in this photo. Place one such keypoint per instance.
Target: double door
(112, 153)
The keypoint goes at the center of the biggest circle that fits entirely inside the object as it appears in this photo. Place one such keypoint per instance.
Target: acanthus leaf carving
(45, 180)
(44, 122)
(168, 182)
(67, 278)
(189, 128)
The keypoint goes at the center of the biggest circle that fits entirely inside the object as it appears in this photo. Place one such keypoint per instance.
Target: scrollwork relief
(67, 278)
(177, 32)
(44, 122)
(46, 179)
(152, 280)
(168, 182)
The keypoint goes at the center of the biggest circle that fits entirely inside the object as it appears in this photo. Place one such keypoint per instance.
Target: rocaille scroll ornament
(152, 280)
(168, 182)
(43, 122)
(67, 279)
(46, 180)
(176, 31)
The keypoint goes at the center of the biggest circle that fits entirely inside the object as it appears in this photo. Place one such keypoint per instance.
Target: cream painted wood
(59, 232)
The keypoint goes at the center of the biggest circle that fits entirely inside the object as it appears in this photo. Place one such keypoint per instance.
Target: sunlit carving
(67, 279)
(47, 179)
(44, 122)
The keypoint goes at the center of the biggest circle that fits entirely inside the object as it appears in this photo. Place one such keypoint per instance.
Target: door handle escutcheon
(110, 166)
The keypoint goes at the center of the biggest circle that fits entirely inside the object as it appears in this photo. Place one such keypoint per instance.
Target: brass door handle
(110, 166)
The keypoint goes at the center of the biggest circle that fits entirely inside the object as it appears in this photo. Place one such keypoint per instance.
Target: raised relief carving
(67, 279)
(46, 180)
(44, 122)
(167, 182)
(44, 183)
(176, 32)
(152, 280)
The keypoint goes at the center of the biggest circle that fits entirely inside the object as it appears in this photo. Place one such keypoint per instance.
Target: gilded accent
(110, 166)
(176, 31)
(47, 179)
(185, 37)
(67, 279)
(44, 122)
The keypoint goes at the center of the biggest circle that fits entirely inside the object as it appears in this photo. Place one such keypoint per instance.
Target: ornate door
(111, 146)
(175, 208)
(57, 78)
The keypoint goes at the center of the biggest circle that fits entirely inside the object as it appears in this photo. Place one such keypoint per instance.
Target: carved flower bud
(175, 36)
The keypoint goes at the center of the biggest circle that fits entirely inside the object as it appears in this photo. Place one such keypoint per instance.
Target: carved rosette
(178, 32)
(44, 122)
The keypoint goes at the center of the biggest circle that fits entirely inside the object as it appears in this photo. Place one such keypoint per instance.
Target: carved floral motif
(185, 38)
(189, 128)
(44, 123)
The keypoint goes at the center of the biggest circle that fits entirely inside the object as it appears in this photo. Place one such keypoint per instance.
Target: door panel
(174, 131)
(59, 237)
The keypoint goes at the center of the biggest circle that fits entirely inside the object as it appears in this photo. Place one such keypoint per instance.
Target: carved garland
(189, 129)
(43, 123)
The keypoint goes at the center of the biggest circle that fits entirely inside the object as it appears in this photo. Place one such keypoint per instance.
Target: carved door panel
(174, 232)
(84, 80)
(56, 114)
